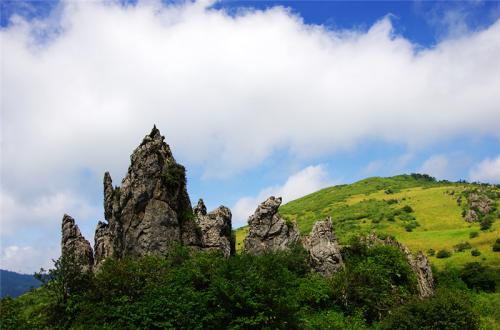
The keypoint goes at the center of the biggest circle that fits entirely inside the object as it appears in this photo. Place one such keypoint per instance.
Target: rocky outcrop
(323, 248)
(74, 245)
(216, 229)
(419, 264)
(480, 202)
(151, 210)
(471, 216)
(268, 231)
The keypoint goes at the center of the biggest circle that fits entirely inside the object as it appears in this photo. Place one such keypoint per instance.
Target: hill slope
(417, 210)
(14, 284)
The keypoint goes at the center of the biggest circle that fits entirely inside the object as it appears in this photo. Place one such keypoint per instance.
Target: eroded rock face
(268, 231)
(151, 210)
(103, 244)
(74, 245)
(419, 263)
(323, 248)
(215, 227)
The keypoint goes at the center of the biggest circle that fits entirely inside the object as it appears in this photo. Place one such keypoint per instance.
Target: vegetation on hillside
(185, 290)
(422, 213)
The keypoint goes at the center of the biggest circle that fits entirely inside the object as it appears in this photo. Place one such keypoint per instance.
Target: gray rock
(74, 245)
(323, 248)
(480, 202)
(200, 208)
(216, 231)
(419, 263)
(151, 211)
(103, 244)
(268, 231)
(471, 216)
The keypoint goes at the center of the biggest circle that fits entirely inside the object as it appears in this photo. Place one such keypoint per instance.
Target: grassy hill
(420, 212)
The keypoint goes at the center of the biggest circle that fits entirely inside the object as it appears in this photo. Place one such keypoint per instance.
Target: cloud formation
(306, 181)
(26, 259)
(81, 86)
(486, 171)
(437, 166)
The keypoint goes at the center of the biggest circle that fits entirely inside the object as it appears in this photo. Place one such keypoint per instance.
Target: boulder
(268, 231)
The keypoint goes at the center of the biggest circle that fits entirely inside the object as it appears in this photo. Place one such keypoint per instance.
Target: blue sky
(254, 97)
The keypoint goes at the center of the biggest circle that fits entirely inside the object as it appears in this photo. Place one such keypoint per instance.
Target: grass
(376, 204)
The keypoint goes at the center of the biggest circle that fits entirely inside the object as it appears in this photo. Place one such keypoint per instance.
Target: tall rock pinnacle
(151, 210)
(74, 245)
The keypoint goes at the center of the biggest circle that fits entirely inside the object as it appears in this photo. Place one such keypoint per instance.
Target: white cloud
(80, 88)
(486, 171)
(236, 87)
(27, 259)
(44, 212)
(306, 181)
(437, 166)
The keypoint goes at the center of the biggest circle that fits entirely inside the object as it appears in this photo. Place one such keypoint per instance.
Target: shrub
(475, 253)
(496, 245)
(407, 209)
(431, 252)
(479, 277)
(460, 247)
(486, 223)
(373, 280)
(473, 234)
(443, 254)
(446, 310)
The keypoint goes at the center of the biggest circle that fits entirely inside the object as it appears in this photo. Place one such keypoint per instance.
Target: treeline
(376, 289)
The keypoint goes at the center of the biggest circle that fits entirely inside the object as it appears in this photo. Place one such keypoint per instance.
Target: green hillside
(419, 211)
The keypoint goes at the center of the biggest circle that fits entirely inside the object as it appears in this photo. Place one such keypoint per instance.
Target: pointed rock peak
(74, 245)
(107, 179)
(69, 228)
(200, 208)
(155, 133)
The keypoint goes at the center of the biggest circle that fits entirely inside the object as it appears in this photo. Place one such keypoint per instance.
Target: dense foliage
(205, 291)
(446, 310)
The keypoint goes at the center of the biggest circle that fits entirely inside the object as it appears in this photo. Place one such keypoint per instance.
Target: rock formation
(419, 263)
(323, 248)
(480, 202)
(216, 231)
(151, 211)
(268, 231)
(73, 244)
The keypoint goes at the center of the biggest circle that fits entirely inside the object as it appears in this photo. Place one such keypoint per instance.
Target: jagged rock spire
(150, 211)
(74, 245)
(200, 208)
(268, 231)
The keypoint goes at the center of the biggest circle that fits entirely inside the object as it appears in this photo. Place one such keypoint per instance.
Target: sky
(255, 98)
